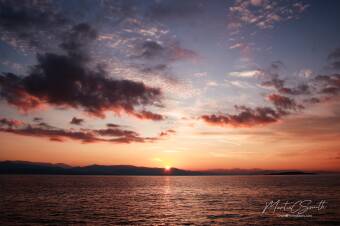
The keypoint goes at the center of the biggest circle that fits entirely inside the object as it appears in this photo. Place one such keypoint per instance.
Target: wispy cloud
(111, 134)
(263, 14)
(247, 117)
(246, 74)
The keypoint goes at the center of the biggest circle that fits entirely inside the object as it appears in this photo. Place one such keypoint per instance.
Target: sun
(167, 168)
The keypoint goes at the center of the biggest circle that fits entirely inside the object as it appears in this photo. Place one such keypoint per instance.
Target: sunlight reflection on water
(153, 200)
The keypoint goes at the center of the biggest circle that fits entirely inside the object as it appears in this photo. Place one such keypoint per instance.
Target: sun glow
(167, 168)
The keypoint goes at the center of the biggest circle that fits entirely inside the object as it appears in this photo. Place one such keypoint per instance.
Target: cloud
(53, 134)
(247, 117)
(279, 85)
(237, 45)
(164, 52)
(328, 84)
(240, 84)
(246, 74)
(212, 83)
(334, 55)
(117, 132)
(77, 39)
(112, 125)
(312, 100)
(247, 17)
(10, 122)
(256, 2)
(335, 65)
(148, 115)
(287, 100)
(306, 73)
(77, 121)
(68, 81)
(14, 92)
(37, 119)
(283, 103)
(167, 132)
(334, 58)
(200, 74)
(154, 68)
(111, 135)
(151, 49)
(29, 22)
(263, 14)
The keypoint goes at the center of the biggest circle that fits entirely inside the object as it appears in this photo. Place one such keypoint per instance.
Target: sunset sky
(189, 84)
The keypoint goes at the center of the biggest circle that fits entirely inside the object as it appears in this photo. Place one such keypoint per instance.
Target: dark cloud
(10, 122)
(320, 88)
(313, 100)
(335, 65)
(37, 119)
(69, 81)
(112, 125)
(76, 40)
(325, 88)
(334, 58)
(301, 89)
(335, 54)
(151, 49)
(44, 124)
(148, 115)
(116, 132)
(273, 80)
(328, 84)
(277, 65)
(164, 53)
(53, 134)
(279, 85)
(13, 90)
(167, 132)
(77, 121)
(29, 21)
(112, 135)
(330, 90)
(250, 117)
(150, 69)
(22, 15)
(283, 103)
(247, 117)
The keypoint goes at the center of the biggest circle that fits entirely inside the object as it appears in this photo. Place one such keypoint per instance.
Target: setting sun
(167, 168)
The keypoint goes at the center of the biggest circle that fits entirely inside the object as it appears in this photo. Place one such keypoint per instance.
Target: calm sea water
(151, 200)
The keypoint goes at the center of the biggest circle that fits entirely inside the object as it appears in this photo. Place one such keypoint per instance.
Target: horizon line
(173, 167)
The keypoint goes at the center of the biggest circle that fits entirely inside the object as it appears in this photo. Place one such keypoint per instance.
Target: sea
(170, 200)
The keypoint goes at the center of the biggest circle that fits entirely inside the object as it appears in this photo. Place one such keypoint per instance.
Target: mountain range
(25, 167)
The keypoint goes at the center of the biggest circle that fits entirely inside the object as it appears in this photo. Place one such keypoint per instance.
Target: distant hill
(24, 167)
(237, 171)
(290, 173)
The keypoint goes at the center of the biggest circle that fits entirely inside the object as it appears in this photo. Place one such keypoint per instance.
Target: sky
(190, 84)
